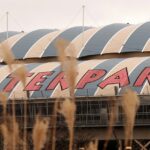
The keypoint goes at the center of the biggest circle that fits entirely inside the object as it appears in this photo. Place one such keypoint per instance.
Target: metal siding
(38, 47)
(100, 39)
(24, 44)
(138, 39)
(68, 35)
(3, 35)
(115, 44)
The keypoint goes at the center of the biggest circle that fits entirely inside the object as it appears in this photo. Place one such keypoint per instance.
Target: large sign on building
(94, 78)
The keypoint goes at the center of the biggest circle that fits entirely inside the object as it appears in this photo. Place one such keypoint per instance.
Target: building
(110, 59)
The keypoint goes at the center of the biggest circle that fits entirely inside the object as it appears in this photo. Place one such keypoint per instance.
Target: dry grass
(130, 104)
(112, 119)
(61, 46)
(10, 134)
(7, 55)
(21, 72)
(70, 69)
(93, 145)
(53, 122)
(6, 136)
(68, 64)
(71, 75)
(3, 100)
(68, 109)
(25, 126)
(40, 133)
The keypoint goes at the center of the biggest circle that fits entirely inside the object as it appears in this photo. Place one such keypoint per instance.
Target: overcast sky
(29, 15)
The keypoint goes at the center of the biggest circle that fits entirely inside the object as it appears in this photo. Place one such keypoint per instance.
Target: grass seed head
(69, 64)
(130, 104)
(93, 145)
(68, 109)
(3, 99)
(21, 72)
(40, 132)
(10, 134)
(7, 55)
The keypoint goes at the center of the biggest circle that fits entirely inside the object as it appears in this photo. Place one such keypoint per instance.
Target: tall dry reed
(70, 69)
(6, 55)
(21, 72)
(68, 63)
(3, 100)
(41, 125)
(68, 109)
(10, 134)
(61, 45)
(6, 136)
(4, 129)
(14, 124)
(69, 66)
(130, 104)
(93, 145)
(112, 118)
(53, 122)
(40, 132)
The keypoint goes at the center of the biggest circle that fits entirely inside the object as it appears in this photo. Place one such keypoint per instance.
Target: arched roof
(3, 35)
(98, 78)
(110, 39)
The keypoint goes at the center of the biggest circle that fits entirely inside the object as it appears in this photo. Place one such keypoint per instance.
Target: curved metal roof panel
(80, 41)
(68, 35)
(115, 44)
(3, 35)
(24, 44)
(138, 39)
(100, 39)
(38, 47)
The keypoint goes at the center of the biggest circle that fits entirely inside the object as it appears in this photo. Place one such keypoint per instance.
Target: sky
(28, 15)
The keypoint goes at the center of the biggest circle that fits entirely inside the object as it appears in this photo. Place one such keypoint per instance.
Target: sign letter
(121, 78)
(90, 76)
(35, 83)
(60, 79)
(145, 75)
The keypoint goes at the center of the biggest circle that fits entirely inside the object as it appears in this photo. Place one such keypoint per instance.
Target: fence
(91, 111)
